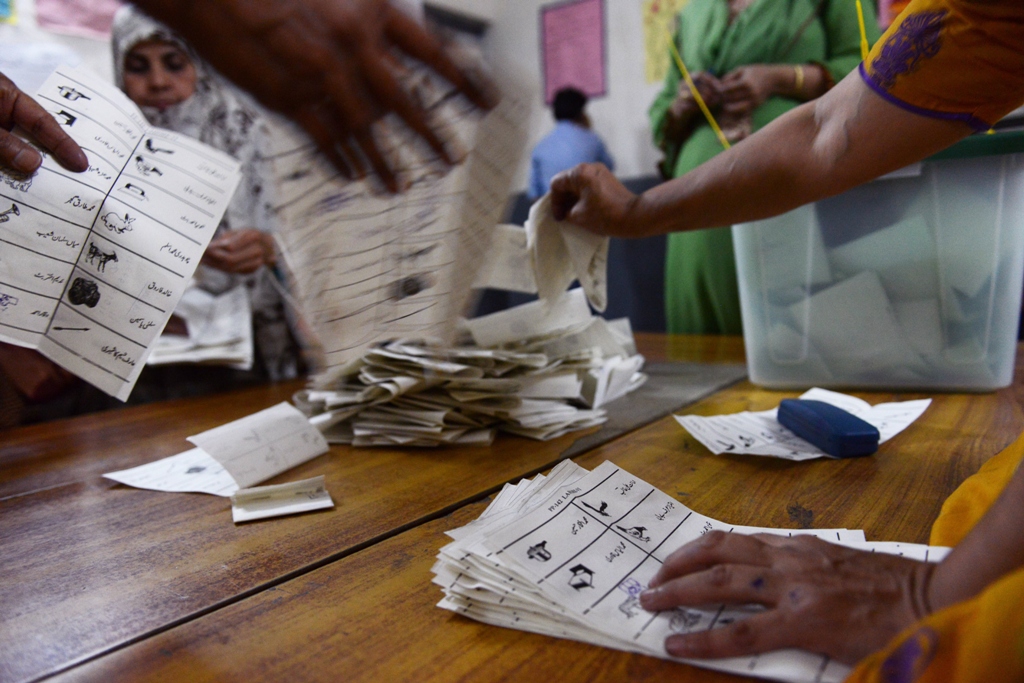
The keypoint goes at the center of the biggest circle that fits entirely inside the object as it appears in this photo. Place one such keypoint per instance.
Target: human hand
(747, 87)
(591, 197)
(821, 597)
(709, 87)
(241, 251)
(34, 376)
(331, 65)
(18, 109)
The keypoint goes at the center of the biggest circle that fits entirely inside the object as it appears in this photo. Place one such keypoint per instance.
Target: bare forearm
(845, 138)
(991, 550)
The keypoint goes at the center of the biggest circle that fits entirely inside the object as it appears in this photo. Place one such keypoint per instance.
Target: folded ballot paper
(568, 554)
(539, 370)
(229, 459)
(761, 434)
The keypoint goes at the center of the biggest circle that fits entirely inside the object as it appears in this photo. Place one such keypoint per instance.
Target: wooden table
(103, 582)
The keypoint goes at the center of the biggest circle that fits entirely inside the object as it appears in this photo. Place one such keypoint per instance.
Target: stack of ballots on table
(545, 384)
(567, 555)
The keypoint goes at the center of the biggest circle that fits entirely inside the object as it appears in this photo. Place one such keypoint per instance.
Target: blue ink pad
(833, 430)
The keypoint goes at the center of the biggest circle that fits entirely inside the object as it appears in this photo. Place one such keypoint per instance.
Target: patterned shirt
(961, 60)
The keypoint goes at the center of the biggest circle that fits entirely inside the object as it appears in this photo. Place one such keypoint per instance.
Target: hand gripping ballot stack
(383, 281)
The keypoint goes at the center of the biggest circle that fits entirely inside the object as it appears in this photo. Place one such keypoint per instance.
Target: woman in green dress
(752, 61)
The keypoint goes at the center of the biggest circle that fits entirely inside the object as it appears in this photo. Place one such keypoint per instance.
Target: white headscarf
(223, 117)
(216, 114)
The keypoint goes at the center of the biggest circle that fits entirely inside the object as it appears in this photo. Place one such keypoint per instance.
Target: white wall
(513, 43)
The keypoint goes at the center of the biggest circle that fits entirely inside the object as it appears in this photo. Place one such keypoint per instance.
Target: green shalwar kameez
(701, 294)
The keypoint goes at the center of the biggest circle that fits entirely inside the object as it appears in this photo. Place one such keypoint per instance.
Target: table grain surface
(103, 582)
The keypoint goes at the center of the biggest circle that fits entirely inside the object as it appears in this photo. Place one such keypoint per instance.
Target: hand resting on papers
(818, 596)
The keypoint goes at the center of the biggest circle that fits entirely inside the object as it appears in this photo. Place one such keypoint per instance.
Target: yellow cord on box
(696, 94)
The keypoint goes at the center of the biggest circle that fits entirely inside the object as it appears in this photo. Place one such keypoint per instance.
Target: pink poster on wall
(572, 47)
(90, 18)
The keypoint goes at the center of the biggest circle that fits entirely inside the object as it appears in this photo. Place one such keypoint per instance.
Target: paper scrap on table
(761, 434)
(568, 554)
(234, 456)
(562, 252)
(94, 263)
(193, 471)
(263, 502)
(264, 444)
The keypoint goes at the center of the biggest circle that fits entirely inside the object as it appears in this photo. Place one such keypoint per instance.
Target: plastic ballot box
(911, 281)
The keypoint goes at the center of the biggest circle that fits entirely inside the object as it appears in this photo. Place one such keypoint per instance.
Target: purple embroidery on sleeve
(908, 662)
(918, 37)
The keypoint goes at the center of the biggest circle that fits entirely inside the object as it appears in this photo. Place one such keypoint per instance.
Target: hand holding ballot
(819, 596)
(19, 110)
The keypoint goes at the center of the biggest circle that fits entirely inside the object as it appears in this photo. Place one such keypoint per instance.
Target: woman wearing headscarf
(176, 90)
(752, 60)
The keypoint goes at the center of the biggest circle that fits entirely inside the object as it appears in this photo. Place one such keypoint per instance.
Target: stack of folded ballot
(567, 555)
(550, 379)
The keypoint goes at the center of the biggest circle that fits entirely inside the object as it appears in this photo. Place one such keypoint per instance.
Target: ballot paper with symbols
(568, 555)
(761, 434)
(94, 263)
(370, 266)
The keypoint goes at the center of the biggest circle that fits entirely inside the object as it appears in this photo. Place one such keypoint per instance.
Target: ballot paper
(234, 456)
(561, 253)
(94, 263)
(370, 266)
(567, 555)
(761, 434)
(507, 266)
(263, 502)
(219, 330)
(540, 383)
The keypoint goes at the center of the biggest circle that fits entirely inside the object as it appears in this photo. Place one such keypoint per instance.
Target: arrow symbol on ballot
(73, 329)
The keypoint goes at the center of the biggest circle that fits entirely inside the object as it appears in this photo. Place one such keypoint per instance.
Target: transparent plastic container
(912, 281)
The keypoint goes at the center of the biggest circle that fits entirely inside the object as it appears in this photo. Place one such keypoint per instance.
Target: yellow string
(864, 48)
(696, 93)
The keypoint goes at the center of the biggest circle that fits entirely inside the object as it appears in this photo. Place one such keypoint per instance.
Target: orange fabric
(974, 497)
(953, 59)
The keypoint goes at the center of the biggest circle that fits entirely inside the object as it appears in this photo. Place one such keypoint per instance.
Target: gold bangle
(798, 72)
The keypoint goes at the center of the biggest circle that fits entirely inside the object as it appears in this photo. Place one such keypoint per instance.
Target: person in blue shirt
(570, 143)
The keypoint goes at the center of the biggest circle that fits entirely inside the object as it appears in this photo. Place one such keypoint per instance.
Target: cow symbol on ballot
(6, 215)
(582, 577)
(539, 552)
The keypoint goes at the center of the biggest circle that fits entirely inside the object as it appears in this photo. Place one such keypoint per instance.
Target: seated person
(177, 91)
